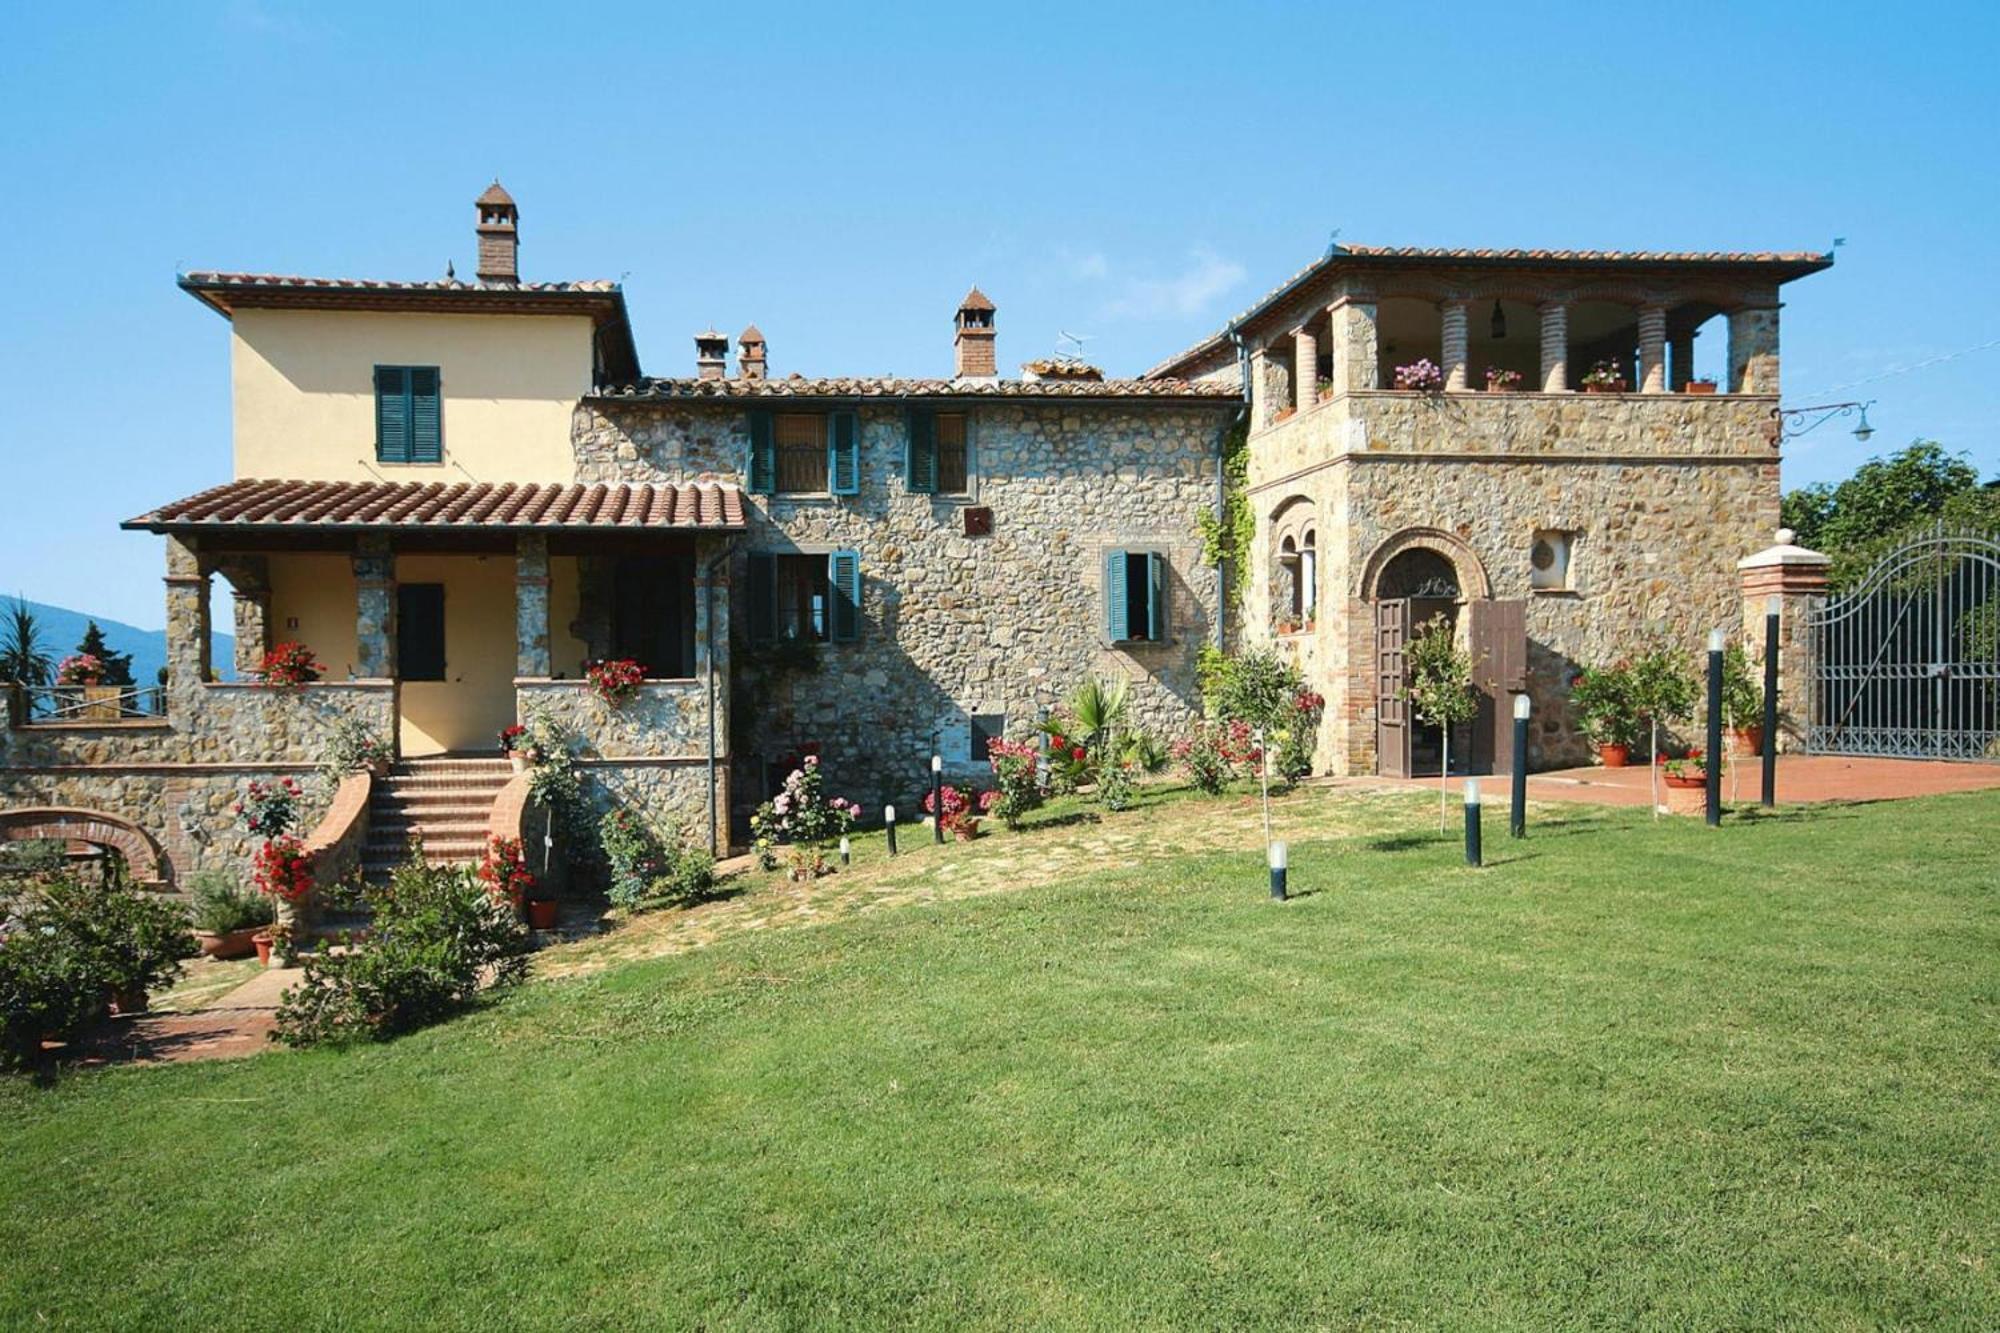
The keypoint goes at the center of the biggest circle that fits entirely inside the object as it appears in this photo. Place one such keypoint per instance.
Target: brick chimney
(711, 355)
(499, 236)
(972, 339)
(750, 363)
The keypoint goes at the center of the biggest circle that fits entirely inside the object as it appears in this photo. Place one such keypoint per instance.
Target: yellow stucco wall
(312, 602)
(304, 391)
(466, 709)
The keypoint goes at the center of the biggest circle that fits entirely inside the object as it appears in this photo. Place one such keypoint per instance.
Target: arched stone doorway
(144, 860)
(1414, 577)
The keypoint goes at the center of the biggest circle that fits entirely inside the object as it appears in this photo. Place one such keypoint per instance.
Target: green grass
(1634, 1074)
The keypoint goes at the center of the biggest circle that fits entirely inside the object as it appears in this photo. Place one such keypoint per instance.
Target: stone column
(1681, 355)
(1260, 389)
(1455, 315)
(531, 606)
(187, 625)
(1555, 346)
(375, 609)
(1356, 356)
(1652, 349)
(1753, 351)
(1796, 578)
(1305, 367)
(249, 579)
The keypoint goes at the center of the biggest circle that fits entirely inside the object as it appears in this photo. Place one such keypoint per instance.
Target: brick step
(442, 812)
(454, 767)
(441, 782)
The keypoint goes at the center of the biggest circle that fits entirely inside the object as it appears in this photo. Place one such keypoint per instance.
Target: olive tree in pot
(1663, 691)
(1440, 693)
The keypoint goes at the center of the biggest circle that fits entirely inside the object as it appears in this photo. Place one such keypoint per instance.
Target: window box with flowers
(1420, 376)
(1604, 377)
(615, 680)
(1502, 381)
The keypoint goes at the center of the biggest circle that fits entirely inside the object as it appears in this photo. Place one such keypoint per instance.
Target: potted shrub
(354, 748)
(1325, 389)
(1502, 381)
(514, 744)
(227, 917)
(1700, 386)
(1421, 375)
(615, 680)
(1602, 698)
(1663, 690)
(1604, 377)
(1687, 783)
(1742, 702)
(85, 672)
(1440, 692)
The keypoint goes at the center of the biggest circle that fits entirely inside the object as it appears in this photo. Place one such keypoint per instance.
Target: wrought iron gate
(1909, 657)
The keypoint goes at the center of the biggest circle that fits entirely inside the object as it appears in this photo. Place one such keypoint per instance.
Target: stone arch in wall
(144, 860)
(1473, 583)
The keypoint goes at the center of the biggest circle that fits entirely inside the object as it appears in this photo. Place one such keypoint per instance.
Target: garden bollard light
(937, 799)
(889, 823)
(1712, 760)
(1772, 606)
(1472, 850)
(846, 852)
(1518, 824)
(1278, 858)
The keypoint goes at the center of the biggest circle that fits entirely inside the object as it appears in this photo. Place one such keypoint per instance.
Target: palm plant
(21, 657)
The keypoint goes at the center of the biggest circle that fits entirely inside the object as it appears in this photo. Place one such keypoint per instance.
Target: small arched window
(1308, 573)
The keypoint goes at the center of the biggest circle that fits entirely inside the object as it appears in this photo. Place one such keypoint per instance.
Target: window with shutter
(1156, 597)
(1135, 596)
(802, 451)
(921, 465)
(1117, 610)
(420, 631)
(797, 597)
(409, 415)
(844, 581)
(762, 466)
(843, 453)
(952, 471)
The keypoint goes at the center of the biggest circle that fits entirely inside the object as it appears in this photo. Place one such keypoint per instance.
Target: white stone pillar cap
(1786, 552)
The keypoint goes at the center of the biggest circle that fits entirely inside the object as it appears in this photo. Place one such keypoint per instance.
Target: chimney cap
(752, 334)
(711, 335)
(495, 195)
(976, 300)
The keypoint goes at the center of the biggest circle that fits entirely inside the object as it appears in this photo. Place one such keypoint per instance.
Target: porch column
(1796, 577)
(1356, 357)
(1681, 357)
(1652, 349)
(1260, 389)
(1455, 316)
(531, 606)
(375, 608)
(1555, 346)
(249, 579)
(187, 622)
(1753, 351)
(1305, 367)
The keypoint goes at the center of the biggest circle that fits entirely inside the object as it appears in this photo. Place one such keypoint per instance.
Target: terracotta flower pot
(234, 944)
(1699, 387)
(1614, 756)
(542, 913)
(966, 830)
(517, 761)
(1685, 781)
(132, 1001)
(263, 943)
(1749, 741)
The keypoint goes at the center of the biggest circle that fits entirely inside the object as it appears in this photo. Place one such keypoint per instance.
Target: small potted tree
(1742, 702)
(1602, 698)
(1663, 691)
(1440, 693)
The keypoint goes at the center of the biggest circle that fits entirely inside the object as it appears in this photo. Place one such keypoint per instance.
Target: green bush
(437, 935)
(222, 905)
(1266, 693)
(50, 986)
(137, 940)
(646, 865)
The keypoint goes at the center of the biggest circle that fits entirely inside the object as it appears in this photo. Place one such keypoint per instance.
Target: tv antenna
(1070, 345)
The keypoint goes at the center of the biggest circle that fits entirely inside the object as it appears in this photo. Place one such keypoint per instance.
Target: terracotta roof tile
(294, 282)
(796, 386)
(254, 503)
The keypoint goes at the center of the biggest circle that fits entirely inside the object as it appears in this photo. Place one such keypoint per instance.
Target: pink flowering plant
(1017, 785)
(1496, 378)
(803, 817)
(962, 808)
(1422, 375)
(80, 669)
(1215, 752)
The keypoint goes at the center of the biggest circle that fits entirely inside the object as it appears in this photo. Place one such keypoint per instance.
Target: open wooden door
(1392, 710)
(1498, 633)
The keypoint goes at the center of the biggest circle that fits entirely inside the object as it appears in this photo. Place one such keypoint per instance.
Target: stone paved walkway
(1802, 779)
(236, 1025)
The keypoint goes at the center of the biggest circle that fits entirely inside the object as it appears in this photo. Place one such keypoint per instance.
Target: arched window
(1308, 574)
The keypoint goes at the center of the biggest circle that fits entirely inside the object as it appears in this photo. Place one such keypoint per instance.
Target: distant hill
(59, 629)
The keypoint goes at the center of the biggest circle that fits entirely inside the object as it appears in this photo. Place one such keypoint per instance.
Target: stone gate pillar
(1793, 579)
(531, 606)
(375, 608)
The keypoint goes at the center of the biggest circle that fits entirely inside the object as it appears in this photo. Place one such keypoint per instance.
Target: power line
(1905, 370)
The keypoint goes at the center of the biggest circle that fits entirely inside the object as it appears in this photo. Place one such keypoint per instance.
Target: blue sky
(841, 174)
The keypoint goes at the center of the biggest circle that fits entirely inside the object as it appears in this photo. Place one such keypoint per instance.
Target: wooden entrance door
(1392, 710)
(1499, 638)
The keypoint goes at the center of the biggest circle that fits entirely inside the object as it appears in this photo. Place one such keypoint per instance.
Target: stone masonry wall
(953, 625)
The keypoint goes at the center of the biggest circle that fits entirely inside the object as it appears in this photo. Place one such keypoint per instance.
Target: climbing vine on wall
(1226, 539)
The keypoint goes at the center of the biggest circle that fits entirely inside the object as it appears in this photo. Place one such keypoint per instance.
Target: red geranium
(290, 664)
(505, 870)
(615, 680)
(282, 868)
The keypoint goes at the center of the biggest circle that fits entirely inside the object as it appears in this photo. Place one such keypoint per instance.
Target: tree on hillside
(21, 657)
(1885, 498)
(117, 666)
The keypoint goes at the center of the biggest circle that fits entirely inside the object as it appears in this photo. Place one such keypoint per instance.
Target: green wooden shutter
(760, 598)
(843, 578)
(843, 453)
(426, 427)
(1116, 621)
(1156, 597)
(921, 466)
(763, 453)
(392, 414)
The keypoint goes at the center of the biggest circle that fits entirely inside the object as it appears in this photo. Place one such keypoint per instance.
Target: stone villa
(459, 493)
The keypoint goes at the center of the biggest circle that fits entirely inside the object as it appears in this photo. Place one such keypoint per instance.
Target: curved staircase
(446, 801)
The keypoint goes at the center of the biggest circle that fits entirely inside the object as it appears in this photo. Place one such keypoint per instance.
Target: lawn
(1630, 1074)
